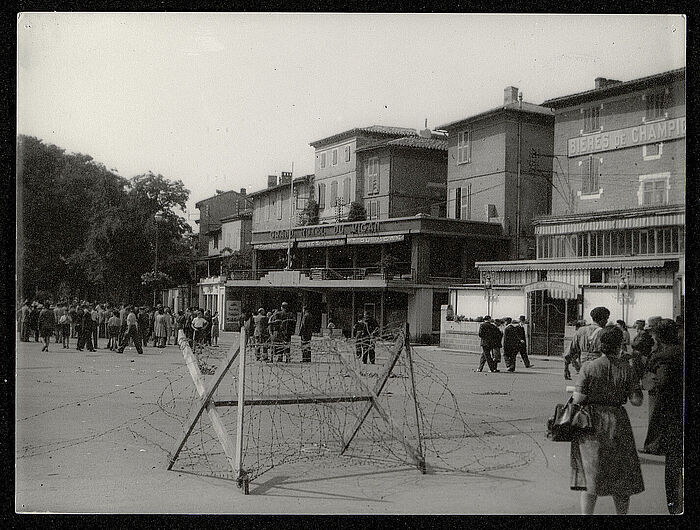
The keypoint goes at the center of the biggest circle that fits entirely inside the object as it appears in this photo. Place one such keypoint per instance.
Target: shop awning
(673, 219)
(573, 265)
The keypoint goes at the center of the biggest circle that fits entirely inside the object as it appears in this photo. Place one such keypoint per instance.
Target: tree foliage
(357, 212)
(84, 230)
(310, 214)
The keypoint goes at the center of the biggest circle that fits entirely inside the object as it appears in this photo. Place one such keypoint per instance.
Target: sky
(220, 100)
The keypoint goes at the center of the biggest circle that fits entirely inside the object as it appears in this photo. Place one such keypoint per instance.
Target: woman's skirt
(604, 462)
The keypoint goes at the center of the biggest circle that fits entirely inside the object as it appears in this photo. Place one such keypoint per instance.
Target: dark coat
(511, 338)
(306, 329)
(490, 335)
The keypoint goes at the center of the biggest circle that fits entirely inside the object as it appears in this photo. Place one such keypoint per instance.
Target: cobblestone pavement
(76, 452)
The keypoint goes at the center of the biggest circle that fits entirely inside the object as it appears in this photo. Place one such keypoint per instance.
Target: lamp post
(623, 292)
(157, 217)
(488, 293)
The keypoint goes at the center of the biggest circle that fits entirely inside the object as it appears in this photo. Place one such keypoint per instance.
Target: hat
(487, 317)
(285, 304)
(639, 322)
(261, 310)
(652, 322)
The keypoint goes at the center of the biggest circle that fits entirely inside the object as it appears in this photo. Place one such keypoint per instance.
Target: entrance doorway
(548, 317)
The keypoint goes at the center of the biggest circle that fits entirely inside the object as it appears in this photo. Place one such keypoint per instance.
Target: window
(323, 160)
(321, 196)
(596, 275)
(373, 210)
(270, 206)
(590, 169)
(458, 202)
(652, 151)
(591, 119)
(279, 205)
(216, 240)
(656, 105)
(466, 202)
(335, 157)
(347, 153)
(464, 147)
(653, 189)
(346, 190)
(334, 192)
(372, 176)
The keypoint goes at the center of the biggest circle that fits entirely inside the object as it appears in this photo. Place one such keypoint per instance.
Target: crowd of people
(506, 334)
(120, 325)
(612, 370)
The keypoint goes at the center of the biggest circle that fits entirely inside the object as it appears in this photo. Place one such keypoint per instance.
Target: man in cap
(586, 342)
(490, 338)
(260, 335)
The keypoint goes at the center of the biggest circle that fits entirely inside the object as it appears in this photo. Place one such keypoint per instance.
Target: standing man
(586, 341)
(306, 331)
(260, 335)
(489, 336)
(85, 333)
(132, 332)
(58, 311)
(95, 326)
(47, 325)
(511, 343)
(287, 323)
(523, 343)
(24, 321)
(372, 329)
(496, 352)
(143, 323)
(643, 346)
(571, 357)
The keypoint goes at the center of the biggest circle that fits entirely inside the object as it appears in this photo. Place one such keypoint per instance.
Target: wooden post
(204, 399)
(198, 380)
(407, 347)
(241, 476)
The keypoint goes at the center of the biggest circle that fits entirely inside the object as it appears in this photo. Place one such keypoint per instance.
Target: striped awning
(674, 219)
(572, 265)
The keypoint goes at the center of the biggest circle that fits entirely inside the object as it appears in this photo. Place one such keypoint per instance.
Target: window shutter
(451, 202)
(334, 192)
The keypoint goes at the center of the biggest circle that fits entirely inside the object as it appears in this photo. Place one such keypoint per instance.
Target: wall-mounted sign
(271, 246)
(233, 310)
(321, 243)
(647, 133)
(374, 240)
(360, 227)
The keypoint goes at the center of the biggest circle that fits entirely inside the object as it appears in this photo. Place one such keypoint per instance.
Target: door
(547, 321)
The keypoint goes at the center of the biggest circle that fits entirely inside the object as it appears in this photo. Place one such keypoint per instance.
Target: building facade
(616, 234)
(500, 170)
(337, 173)
(404, 176)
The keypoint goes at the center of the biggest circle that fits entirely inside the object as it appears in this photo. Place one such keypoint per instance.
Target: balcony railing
(332, 273)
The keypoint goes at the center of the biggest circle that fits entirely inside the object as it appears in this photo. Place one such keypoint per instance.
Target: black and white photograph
(308, 263)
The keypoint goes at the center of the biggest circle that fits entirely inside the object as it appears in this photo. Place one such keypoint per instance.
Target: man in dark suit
(305, 331)
(511, 343)
(489, 335)
(85, 332)
(523, 344)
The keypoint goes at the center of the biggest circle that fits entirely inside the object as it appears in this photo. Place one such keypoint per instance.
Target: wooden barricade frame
(234, 452)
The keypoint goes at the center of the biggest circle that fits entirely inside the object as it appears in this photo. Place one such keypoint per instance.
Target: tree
(309, 215)
(357, 212)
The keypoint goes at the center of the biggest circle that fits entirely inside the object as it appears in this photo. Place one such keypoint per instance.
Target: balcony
(370, 277)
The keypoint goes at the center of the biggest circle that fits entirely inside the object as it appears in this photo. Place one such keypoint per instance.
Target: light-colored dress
(604, 461)
(160, 326)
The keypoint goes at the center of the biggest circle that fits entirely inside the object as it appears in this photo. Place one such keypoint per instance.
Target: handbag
(569, 420)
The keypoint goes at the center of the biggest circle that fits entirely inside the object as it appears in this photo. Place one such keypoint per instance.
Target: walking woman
(47, 325)
(604, 461)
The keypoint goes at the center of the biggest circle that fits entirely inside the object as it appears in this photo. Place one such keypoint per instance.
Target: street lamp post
(488, 293)
(157, 217)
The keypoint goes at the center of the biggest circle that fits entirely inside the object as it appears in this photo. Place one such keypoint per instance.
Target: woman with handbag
(604, 459)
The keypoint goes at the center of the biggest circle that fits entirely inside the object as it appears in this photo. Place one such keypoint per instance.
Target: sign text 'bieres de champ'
(647, 133)
(361, 227)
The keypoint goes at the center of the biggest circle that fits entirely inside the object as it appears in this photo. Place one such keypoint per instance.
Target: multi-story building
(337, 170)
(499, 168)
(616, 233)
(396, 263)
(404, 176)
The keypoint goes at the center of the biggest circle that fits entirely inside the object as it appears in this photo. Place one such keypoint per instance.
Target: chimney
(242, 192)
(286, 177)
(602, 82)
(271, 181)
(425, 133)
(510, 95)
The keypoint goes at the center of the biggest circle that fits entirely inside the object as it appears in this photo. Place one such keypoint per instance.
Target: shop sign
(233, 310)
(647, 133)
(271, 246)
(374, 240)
(360, 227)
(321, 243)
